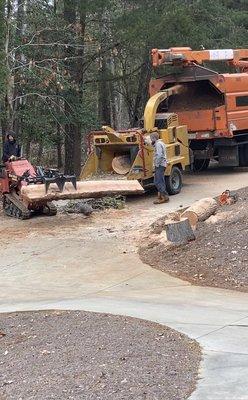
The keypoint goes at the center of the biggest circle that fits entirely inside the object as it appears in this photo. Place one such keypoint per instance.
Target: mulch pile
(79, 355)
(195, 96)
(219, 255)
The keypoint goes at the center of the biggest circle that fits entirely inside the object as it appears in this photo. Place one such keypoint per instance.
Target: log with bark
(200, 211)
(85, 189)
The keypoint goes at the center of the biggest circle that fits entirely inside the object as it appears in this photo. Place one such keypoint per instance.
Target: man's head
(154, 137)
(11, 136)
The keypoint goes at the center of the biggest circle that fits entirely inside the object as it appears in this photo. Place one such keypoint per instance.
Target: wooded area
(67, 67)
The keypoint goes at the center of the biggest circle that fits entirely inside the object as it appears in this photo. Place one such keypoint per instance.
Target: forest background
(70, 66)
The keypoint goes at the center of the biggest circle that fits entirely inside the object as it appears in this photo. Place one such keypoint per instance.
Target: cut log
(121, 164)
(192, 217)
(158, 226)
(85, 190)
(179, 231)
(200, 211)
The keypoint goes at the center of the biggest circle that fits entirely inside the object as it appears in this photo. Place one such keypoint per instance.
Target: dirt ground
(81, 355)
(219, 255)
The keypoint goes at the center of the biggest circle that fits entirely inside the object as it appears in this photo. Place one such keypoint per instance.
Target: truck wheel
(174, 181)
(201, 165)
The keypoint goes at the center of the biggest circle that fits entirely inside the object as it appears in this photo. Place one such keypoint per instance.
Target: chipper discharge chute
(128, 155)
(26, 189)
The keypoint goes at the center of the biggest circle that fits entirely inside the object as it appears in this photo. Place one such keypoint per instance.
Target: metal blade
(60, 181)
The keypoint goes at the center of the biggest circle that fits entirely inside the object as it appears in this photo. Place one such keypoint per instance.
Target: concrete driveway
(68, 262)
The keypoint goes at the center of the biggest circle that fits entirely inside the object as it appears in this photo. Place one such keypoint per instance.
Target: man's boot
(165, 198)
(162, 198)
(158, 198)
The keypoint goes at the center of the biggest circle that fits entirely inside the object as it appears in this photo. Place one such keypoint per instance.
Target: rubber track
(52, 209)
(14, 199)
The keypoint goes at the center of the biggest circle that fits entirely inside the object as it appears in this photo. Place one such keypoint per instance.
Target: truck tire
(201, 165)
(174, 182)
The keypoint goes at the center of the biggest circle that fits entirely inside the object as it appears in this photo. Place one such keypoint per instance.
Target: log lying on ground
(200, 211)
(179, 232)
(85, 189)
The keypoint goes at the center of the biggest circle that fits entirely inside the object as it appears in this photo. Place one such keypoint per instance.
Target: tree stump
(179, 232)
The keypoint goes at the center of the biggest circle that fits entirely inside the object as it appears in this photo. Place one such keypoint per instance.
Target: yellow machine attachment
(128, 154)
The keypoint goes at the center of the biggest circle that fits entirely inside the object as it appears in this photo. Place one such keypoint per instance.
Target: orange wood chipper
(214, 106)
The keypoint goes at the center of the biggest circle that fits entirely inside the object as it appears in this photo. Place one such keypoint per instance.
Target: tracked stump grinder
(27, 190)
(18, 175)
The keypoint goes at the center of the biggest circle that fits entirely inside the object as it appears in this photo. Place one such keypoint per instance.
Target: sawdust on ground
(219, 255)
(61, 225)
(66, 355)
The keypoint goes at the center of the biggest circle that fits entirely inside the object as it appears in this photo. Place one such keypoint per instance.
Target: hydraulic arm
(186, 56)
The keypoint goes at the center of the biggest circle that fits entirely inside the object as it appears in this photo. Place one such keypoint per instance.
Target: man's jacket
(159, 154)
(11, 149)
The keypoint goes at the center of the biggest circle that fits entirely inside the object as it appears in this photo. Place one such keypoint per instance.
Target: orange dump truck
(213, 105)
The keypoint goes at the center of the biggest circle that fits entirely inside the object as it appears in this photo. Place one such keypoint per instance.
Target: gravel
(219, 255)
(80, 355)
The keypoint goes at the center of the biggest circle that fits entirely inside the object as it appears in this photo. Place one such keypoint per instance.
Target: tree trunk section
(142, 90)
(104, 95)
(9, 79)
(201, 210)
(74, 97)
(2, 68)
(59, 148)
(69, 148)
(179, 232)
(28, 148)
(20, 19)
(40, 153)
(77, 150)
(85, 189)
(104, 99)
(192, 217)
(121, 164)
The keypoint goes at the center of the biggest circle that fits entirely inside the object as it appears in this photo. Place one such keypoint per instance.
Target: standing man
(160, 163)
(11, 149)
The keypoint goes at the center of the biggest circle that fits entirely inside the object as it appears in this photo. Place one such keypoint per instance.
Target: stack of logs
(180, 229)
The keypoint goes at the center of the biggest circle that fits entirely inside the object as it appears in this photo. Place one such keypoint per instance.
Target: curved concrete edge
(223, 373)
(224, 369)
(223, 376)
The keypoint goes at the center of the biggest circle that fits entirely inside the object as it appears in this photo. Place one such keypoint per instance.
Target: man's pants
(159, 180)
